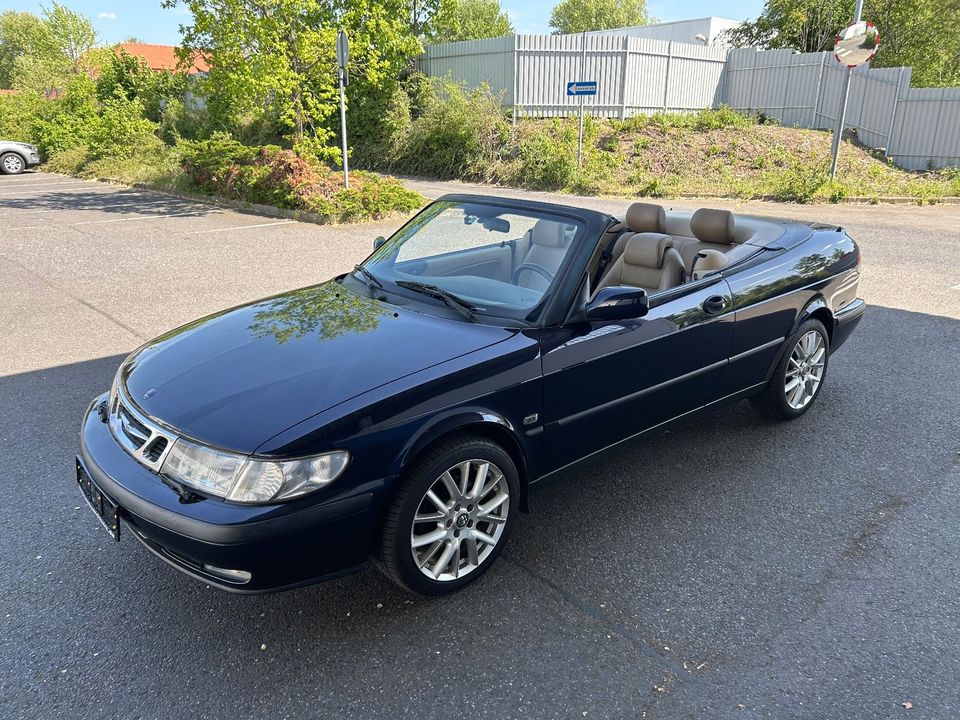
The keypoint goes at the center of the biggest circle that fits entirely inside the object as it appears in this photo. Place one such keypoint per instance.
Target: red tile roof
(8, 92)
(163, 57)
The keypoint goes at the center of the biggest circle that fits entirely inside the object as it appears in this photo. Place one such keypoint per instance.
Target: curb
(851, 200)
(265, 210)
(256, 208)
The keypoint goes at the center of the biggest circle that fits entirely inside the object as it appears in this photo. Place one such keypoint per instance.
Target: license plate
(103, 507)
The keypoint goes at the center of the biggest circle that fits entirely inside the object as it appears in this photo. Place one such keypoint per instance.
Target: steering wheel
(532, 267)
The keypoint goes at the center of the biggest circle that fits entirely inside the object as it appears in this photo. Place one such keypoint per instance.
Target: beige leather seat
(648, 261)
(548, 246)
(713, 230)
(640, 218)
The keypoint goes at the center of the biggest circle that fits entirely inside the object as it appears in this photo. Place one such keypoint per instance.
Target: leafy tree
(574, 16)
(922, 34)
(276, 61)
(45, 52)
(136, 81)
(69, 35)
(468, 20)
(21, 34)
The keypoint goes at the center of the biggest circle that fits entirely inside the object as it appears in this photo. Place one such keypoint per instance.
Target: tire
(12, 164)
(450, 552)
(781, 398)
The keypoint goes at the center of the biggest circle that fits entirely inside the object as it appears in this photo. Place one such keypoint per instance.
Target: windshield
(499, 261)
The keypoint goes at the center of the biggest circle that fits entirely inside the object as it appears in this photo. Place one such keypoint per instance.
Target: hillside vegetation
(440, 130)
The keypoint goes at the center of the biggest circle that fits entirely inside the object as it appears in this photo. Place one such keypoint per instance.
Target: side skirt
(733, 397)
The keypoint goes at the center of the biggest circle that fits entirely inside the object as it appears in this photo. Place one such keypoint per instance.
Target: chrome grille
(146, 441)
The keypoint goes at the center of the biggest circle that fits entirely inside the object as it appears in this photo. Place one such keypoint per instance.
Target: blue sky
(117, 20)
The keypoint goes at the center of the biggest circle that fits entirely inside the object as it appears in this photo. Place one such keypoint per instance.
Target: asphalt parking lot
(728, 568)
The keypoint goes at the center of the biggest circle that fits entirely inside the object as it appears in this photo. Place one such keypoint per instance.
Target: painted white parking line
(27, 212)
(112, 220)
(241, 227)
(4, 188)
(94, 208)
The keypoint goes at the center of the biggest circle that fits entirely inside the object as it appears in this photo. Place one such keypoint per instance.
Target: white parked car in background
(15, 157)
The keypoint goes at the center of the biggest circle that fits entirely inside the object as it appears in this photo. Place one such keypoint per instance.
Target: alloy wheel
(805, 370)
(12, 164)
(460, 520)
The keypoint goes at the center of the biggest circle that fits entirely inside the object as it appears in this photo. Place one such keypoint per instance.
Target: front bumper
(33, 159)
(281, 546)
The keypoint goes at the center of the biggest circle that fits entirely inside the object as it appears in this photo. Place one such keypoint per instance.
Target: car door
(605, 381)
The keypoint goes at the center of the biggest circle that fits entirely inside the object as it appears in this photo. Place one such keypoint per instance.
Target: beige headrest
(713, 226)
(644, 217)
(646, 249)
(548, 233)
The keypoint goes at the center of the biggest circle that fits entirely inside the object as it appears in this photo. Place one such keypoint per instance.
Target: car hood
(236, 379)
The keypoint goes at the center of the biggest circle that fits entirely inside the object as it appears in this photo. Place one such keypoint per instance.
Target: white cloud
(107, 15)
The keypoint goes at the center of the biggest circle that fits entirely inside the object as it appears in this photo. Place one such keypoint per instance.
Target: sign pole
(842, 115)
(343, 57)
(583, 60)
(343, 133)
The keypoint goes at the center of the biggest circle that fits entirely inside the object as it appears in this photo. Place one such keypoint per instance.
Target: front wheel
(451, 516)
(799, 375)
(12, 164)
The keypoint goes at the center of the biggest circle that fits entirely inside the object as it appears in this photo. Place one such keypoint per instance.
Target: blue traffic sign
(585, 87)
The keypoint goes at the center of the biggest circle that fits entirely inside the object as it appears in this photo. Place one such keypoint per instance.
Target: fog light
(235, 576)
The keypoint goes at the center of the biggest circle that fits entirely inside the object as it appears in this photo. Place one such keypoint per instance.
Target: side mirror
(618, 303)
(378, 243)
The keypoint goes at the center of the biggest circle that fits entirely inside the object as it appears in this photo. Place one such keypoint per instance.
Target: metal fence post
(818, 100)
(936, 127)
(786, 91)
(623, 77)
(666, 79)
(516, 72)
(893, 114)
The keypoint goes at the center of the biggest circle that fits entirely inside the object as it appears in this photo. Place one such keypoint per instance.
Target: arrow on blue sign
(583, 87)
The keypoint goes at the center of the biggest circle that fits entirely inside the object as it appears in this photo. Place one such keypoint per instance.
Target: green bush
(223, 166)
(122, 131)
(458, 134)
(69, 161)
(369, 196)
(548, 158)
(799, 183)
(723, 117)
(19, 117)
(212, 165)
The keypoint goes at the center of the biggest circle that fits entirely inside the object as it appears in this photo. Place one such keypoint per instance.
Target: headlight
(242, 479)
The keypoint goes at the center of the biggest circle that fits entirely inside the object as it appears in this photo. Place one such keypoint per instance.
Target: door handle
(714, 304)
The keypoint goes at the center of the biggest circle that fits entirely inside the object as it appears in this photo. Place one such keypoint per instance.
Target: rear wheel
(451, 516)
(799, 375)
(12, 164)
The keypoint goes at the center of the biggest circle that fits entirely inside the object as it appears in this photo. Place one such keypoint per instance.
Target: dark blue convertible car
(400, 412)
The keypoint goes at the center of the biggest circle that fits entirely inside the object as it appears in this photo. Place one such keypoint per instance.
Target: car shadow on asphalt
(705, 536)
(122, 201)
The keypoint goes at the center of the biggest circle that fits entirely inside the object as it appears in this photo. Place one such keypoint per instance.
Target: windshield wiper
(457, 303)
(372, 281)
(368, 275)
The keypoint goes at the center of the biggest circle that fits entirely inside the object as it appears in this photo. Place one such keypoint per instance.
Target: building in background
(163, 57)
(700, 31)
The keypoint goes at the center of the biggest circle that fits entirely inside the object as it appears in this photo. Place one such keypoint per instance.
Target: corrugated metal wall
(916, 127)
(634, 75)
(926, 131)
(474, 62)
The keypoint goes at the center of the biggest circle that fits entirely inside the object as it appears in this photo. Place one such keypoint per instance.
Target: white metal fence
(917, 127)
